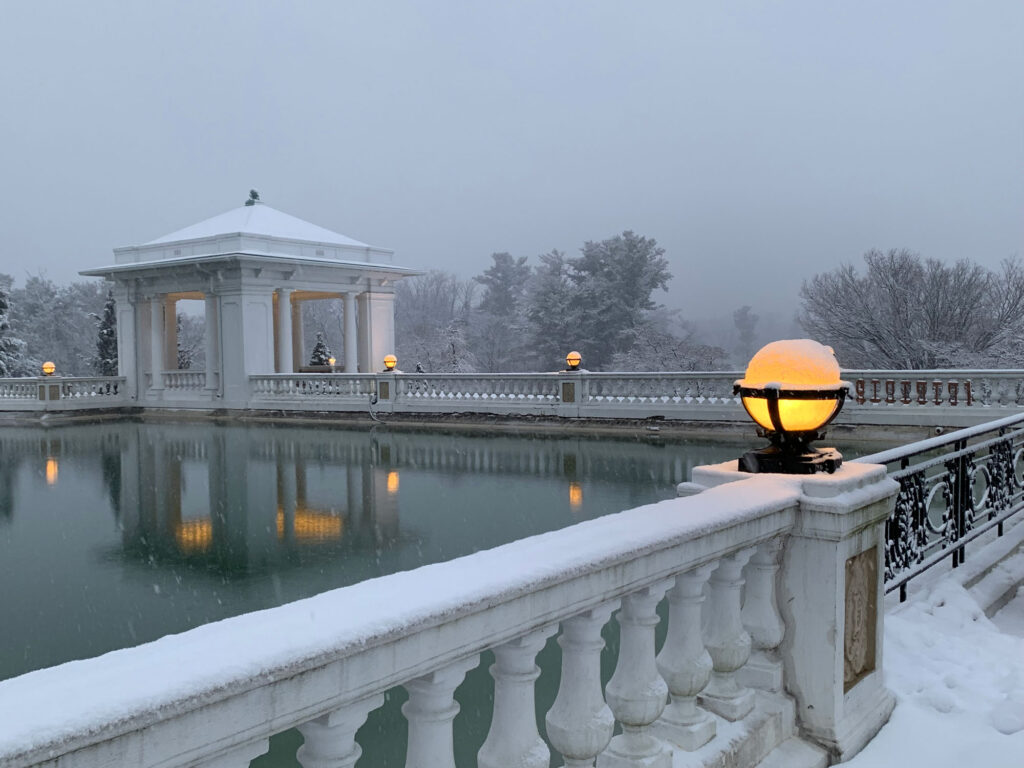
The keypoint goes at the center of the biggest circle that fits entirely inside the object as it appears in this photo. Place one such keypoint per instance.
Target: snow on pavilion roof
(258, 219)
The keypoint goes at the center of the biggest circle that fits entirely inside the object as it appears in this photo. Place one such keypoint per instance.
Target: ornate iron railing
(953, 489)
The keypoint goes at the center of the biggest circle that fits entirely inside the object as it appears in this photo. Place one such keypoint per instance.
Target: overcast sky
(757, 142)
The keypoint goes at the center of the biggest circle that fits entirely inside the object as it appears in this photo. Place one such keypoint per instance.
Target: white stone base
(732, 708)
(687, 736)
(762, 673)
(865, 712)
(622, 753)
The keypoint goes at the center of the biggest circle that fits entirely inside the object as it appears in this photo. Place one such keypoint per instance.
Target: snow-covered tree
(552, 313)
(664, 342)
(745, 323)
(321, 352)
(909, 312)
(105, 362)
(432, 315)
(498, 327)
(12, 358)
(53, 321)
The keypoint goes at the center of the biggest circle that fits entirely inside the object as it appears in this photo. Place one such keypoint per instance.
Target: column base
(762, 673)
(732, 708)
(659, 755)
(688, 736)
(863, 717)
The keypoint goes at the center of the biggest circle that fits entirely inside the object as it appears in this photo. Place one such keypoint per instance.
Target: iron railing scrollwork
(953, 489)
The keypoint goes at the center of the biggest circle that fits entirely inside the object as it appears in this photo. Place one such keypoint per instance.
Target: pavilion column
(211, 342)
(285, 358)
(170, 334)
(351, 344)
(125, 308)
(296, 335)
(156, 341)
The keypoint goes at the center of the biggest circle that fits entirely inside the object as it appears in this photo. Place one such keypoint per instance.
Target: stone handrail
(286, 386)
(505, 387)
(18, 389)
(214, 695)
(185, 380)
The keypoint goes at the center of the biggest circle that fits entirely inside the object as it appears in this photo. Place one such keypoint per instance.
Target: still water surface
(112, 535)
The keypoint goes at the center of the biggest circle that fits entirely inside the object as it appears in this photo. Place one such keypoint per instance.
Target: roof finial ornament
(254, 197)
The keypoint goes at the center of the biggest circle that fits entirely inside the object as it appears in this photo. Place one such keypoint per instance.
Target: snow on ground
(959, 681)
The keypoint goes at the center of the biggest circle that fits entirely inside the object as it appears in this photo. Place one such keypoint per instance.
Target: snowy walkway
(959, 682)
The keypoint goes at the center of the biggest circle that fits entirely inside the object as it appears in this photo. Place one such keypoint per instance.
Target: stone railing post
(727, 642)
(513, 738)
(430, 710)
(685, 664)
(330, 740)
(761, 619)
(830, 596)
(636, 693)
(579, 723)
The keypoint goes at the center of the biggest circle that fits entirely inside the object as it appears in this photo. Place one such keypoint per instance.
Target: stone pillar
(430, 710)
(513, 738)
(579, 723)
(351, 343)
(830, 597)
(211, 342)
(376, 326)
(284, 331)
(297, 349)
(156, 342)
(330, 740)
(170, 334)
(127, 341)
(246, 330)
(727, 641)
(685, 664)
(636, 693)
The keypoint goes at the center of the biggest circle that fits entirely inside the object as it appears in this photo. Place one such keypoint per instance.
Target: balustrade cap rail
(586, 564)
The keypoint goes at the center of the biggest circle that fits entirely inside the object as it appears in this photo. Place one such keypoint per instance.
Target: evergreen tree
(551, 312)
(105, 362)
(321, 352)
(12, 358)
(184, 351)
(498, 329)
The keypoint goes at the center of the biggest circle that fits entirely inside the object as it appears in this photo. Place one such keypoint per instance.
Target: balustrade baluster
(726, 640)
(580, 723)
(330, 740)
(430, 710)
(636, 693)
(761, 619)
(513, 738)
(239, 757)
(685, 664)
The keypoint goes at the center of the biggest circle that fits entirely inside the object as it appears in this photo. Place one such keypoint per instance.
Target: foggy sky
(757, 142)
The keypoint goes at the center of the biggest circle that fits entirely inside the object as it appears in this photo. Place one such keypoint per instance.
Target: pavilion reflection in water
(221, 499)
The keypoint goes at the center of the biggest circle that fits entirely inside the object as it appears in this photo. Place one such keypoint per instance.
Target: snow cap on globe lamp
(49, 368)
(573, 360)
(390, 361)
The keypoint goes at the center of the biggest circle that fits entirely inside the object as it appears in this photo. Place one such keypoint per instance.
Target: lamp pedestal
(790, 453)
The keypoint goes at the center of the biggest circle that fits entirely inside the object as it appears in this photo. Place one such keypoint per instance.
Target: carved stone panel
(861, 617)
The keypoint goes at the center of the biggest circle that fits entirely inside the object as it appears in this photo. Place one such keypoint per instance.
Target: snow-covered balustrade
(508, 389)
(658, 388)
(188, 381)
(18, 389)
(89, 387)
(346, 387)
(797, 652)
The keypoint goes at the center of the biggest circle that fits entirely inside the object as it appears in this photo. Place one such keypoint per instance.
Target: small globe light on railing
(331, 361)
(49, 368)
(390, 361)
(792, 390)
(573, 360)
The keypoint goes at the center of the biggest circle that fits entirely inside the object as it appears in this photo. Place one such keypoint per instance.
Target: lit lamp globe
(573, 360)
(792, 390)
(331, 361)
(390, 361)
(49, 368)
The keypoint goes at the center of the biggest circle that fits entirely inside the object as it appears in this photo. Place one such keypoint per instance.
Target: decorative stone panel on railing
(214, 695)
(191, 381)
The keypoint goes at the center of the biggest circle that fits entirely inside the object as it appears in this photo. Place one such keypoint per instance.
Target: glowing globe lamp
(331, 361)
(390, 362)
(49, 368)
(573, 360)
(792, 390)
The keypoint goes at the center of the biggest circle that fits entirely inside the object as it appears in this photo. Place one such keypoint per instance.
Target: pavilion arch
(252, 267)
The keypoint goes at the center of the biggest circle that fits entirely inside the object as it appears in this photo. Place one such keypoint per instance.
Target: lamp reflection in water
(311, 525)
(575, 496)
(393, 482)
(51, 470)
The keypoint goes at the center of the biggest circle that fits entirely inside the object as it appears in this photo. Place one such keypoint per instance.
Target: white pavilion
(252, 267)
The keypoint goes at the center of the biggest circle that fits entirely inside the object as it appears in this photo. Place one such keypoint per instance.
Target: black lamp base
(791, 459)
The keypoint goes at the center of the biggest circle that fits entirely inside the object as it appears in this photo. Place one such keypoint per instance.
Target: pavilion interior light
(792, 390)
